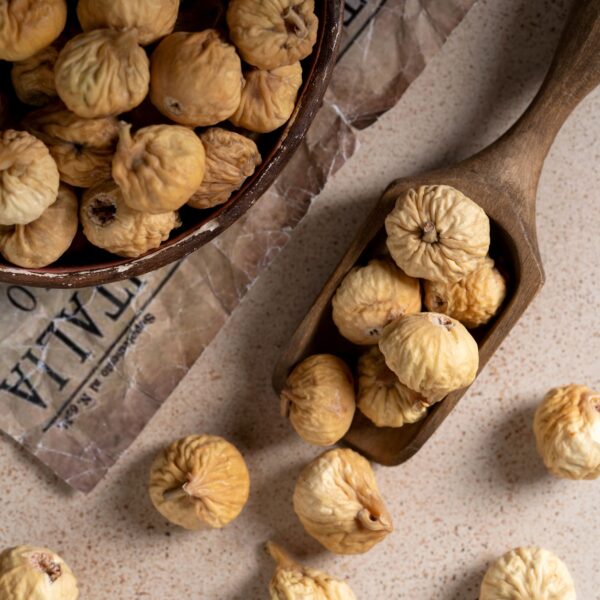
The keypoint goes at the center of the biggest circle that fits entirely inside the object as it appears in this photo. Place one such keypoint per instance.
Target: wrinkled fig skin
(230, 159)
(82, 148)
(318, 398)
(31, 573)
(29, 178)
(200, 481)
(102, 73)
(567, 432)
(528, 573)
(110, 224)
(292, 581)
(268, 99)
(436, 233)
(273, 33)
(196, 78)
(338, 503)
(46, 239)
(28, 26)
(159, 168)
(152, 19)
(33, 78)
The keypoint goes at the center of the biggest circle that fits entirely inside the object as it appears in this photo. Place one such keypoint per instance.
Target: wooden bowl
(84, 265)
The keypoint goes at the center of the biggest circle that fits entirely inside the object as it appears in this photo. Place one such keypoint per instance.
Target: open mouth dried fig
(33, 78)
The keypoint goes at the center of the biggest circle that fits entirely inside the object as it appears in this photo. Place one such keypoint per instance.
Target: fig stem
(279, 555)
(429, 233)
(175, 494)
(291, 17)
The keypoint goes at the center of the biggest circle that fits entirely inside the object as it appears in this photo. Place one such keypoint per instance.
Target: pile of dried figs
(83, 80)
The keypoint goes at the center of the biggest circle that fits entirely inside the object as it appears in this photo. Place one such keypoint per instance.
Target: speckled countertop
(477, 488)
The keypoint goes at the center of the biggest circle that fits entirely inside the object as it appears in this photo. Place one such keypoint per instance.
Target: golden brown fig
(33, 78)
(102, 73)
(152, 19)
(28, 26)
(230, 159)
(200, 481)
(273, 33)
(110, 224)
(29, 178)
(196, 78)
(82, 148)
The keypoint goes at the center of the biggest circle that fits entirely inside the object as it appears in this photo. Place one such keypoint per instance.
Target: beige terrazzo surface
(478, 487)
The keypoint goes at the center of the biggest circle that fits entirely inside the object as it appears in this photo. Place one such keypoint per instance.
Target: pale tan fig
(82, 148)
(431, 354)
(473, 300)
(268, 99)
(159, 168)
(196, 78)
(29, 178)
(528, 573)
(338, 503)
(28, 26)
(567, 432)
(273, 33)
(230, 159)
(436, 233)
(33, 78)
(33, 573)
(110, 224)
(382, 397)
(199, 481)
(292, 581)
(102, 73)
(46, 239)
(371, 297)
(318, 398)
(151, 19)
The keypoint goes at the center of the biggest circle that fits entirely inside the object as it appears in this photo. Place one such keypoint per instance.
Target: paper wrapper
(82, 372)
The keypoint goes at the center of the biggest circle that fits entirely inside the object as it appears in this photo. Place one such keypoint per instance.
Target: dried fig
(82, 148)
(230, 159)
(337, 500)
(28, 26)
(273, 33)
(102, 73)
(152, 19)
(200, 481)
(33, 78)
(196, 78)
(268, 99)
(29, 178)
(110, 224)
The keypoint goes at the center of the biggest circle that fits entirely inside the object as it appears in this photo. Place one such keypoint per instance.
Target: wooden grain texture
(503, 179)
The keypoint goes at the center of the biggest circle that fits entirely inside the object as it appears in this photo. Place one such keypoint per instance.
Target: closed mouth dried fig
(528, 573)
(28, 26)
(567, 432)
(382, 397)
(473, 300)
(31, 573)
(273, 33)
(110, 224)
(151, 19)
(200, 481)
(196, 78)
(230, 159)
(431, 354)
(29, 178)
(292, 581)
(318, 398)
(159, 168)
(371, 297)
(436, 233)
(33, 78)
(338, 503)
(46, 239)
(102, 73)
(82, 148)
(268, 99)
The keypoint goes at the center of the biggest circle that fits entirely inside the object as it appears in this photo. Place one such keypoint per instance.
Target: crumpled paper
(82, 372)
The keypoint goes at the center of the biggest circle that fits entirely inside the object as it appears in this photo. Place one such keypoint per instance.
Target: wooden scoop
(503, 180)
